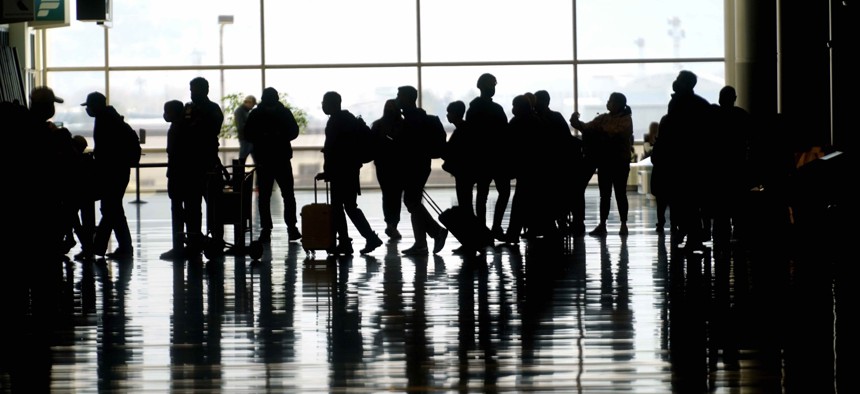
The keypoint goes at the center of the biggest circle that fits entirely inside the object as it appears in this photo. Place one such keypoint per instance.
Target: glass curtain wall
(580, 51)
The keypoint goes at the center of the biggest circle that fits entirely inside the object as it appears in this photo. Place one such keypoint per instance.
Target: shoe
(462, 250)
(68, 244)
(294, 234)
(511, 239)
(345, 249)
(84, 256)
(623, 230)
(498, 234)
(598, 231)
(265, 235)
(372, 244)
(173, 254)
(392, 233)
(416, 251)
(439, 241)
(121, 253)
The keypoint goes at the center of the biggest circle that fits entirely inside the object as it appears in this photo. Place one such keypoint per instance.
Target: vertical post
(222, 20)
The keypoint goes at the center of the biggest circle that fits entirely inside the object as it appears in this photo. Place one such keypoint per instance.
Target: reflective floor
(591, 315)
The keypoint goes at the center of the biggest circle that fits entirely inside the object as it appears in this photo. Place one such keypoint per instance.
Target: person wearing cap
(113, 171)
(52, 155)
(240, 118)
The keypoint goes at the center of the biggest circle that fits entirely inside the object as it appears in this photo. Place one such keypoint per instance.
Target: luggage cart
(230, 195)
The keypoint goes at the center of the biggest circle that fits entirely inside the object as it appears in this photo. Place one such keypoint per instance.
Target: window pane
(140, 97)
(340, 31)
(73, 87)
(171, 33)
(445, 84)
(78, 45)
(616, 29)
(493, 30)
(648, 88)
(363, 90)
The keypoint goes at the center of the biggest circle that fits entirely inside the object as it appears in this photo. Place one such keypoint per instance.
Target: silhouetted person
(657, 181)
(204, 119)
(83, 198)
(567, 157)
(184, 184)
(387, 131)
(55, 156)
(487, 119)
(423, 140)
(533, 168)
(458, 157)
(729, 184)
(240, 118)
(684, 144)
(341, 168)
(271, 128)
(613, 132)
(110, 140)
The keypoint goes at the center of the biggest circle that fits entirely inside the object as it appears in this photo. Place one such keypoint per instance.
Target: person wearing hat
(53, 159)
(110, 135)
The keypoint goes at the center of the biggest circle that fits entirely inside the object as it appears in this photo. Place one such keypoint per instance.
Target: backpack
(133, 151)
(436, 136)
(367, 147)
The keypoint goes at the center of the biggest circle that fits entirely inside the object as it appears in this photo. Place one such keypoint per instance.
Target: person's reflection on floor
(345, 342)
(113, 350)
(419, 347)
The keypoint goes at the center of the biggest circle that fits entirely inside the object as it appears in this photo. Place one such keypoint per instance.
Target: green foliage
(234, 100)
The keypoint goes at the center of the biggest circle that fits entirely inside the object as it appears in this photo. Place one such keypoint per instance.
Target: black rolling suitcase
(463, 225)
(317, 227)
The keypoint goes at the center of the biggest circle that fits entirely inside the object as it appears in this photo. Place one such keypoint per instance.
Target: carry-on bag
(463, 225)
(317, 226)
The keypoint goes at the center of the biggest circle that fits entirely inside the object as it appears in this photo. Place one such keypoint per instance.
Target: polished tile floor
(591, 315)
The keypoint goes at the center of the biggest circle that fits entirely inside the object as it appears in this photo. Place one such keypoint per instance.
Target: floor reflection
(629, 313)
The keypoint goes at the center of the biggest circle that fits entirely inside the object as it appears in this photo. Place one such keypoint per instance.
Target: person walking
(111, 136)
(423, 140)
(341, 168)
(387, 131)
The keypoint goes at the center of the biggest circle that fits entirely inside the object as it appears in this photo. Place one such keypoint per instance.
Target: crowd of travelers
(704, 157)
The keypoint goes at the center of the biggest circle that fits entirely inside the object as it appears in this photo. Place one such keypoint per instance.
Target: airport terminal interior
(765, 311)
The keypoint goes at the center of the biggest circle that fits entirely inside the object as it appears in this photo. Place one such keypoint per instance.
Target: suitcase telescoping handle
(315, 191)
(431, 202)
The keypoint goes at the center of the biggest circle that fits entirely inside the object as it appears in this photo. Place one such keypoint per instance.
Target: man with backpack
(116, 149)
(341, 166)
(423, 140)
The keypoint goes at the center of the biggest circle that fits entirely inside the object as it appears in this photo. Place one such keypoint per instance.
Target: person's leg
(356, 216)
(619, 182)
(412, 198)
(286, 183)
(265, 185)
(482, 193)
(604, 185)
(463, 189)
(338, 217)
(503, 188)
